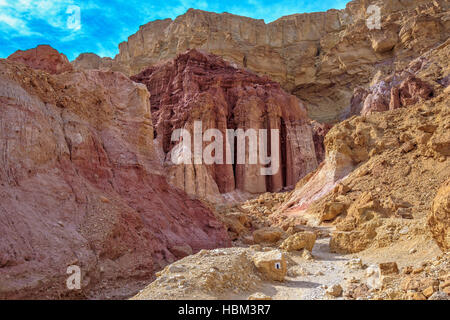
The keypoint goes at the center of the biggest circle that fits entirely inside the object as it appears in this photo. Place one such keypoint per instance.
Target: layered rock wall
(202, 87)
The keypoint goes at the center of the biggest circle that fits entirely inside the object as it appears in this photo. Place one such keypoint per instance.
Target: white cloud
(16, 15)
(16, 24)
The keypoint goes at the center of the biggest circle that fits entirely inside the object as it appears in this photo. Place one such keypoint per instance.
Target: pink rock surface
(378, 99)
(44, 58)
(81, 184)
(410, 92)
(199, 86)
(385, 96)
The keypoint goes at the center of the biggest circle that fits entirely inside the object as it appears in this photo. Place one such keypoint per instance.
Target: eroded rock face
(385, 96)
(319, 57)
(320, 130)
(376, 167)
(81, 184)
(91, 61)
(299, 241)
(197, 86)
(439, 217)
(44, 58)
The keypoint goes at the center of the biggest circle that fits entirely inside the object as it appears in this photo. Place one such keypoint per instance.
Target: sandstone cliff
(81, 184)
(202, 87)
(383, 170)
(319, 57)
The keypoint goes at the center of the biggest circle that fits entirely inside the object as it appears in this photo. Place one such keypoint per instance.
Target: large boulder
(267, 235)
(411, 91)
(320, 57)
(299, 241)
(272, 264)
(91, 61)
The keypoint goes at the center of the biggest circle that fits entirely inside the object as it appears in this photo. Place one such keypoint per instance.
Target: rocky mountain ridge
(197, 86)
(319, 57)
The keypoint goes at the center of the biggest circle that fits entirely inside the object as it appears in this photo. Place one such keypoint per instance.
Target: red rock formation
(410, 92)
(357, 102)
(81, 184)
(44, 58)
(200, 86)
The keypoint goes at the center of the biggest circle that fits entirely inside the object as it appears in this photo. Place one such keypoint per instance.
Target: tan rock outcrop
(91, 61)
(439, 217)
(299, 241)
(271, 264)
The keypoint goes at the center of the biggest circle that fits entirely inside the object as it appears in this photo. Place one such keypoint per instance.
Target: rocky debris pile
(241, 220)
(200, 87)
(299, 241)
(320, 57)
(217, 274)
(81, 184)
(418, 80)
(428, 281)
(371, 185)
(44, 58)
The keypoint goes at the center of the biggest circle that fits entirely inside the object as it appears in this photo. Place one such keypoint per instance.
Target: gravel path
(326, 269)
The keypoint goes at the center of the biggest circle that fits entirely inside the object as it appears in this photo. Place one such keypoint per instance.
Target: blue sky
(103, 24)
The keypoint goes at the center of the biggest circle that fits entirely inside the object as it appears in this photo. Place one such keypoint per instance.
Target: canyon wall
(319, 57)
(81, 184)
